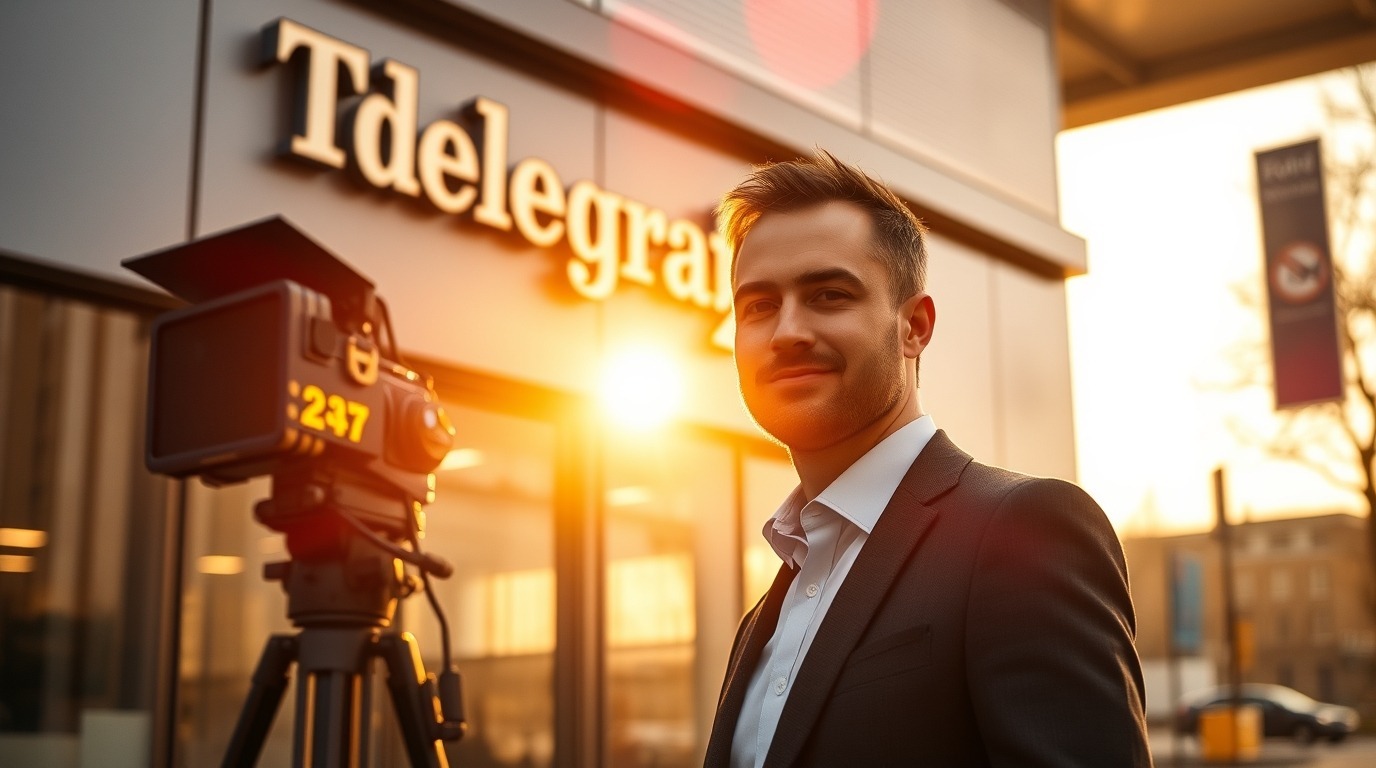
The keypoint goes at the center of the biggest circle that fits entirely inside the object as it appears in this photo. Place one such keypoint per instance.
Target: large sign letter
(313, 127)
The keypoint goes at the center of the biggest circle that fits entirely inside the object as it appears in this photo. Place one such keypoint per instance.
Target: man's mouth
(793, 371)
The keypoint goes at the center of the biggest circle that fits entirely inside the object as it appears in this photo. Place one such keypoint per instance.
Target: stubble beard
(816, 424)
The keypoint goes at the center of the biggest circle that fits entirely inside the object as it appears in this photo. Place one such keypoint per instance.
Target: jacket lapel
(895, 536)
(756, 629)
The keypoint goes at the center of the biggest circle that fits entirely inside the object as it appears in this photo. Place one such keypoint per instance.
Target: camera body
(271, 376)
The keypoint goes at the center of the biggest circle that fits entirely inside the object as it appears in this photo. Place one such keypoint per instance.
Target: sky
(1166, 203)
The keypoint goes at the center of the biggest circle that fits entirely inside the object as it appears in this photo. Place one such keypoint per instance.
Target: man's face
(820, 346)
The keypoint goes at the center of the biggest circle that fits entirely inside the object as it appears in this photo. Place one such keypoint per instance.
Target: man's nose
(793, 329)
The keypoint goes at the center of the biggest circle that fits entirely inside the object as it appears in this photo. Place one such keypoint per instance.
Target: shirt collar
(858, 496)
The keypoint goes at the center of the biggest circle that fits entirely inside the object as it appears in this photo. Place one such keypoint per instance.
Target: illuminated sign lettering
(612, 238)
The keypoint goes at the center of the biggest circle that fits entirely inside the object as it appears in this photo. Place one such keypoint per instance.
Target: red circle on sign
(1299, 272)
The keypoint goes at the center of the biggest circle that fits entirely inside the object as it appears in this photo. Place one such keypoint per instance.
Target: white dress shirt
(821, 538)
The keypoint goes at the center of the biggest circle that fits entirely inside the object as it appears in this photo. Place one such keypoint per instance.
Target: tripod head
(333, 516)
(343, 583)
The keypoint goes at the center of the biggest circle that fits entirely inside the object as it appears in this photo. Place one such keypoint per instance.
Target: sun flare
(641, 388)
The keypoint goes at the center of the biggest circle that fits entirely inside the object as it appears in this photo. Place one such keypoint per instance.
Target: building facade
(1303, 600)
(529, 185)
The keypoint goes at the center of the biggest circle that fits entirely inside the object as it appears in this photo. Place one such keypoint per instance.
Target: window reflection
(669, 589)
(766, 483)
(228, 613)
(493, 519)
(81, 534)
(507, 614)
(650, 601)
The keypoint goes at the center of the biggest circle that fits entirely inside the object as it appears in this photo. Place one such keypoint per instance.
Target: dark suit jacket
(986, 622)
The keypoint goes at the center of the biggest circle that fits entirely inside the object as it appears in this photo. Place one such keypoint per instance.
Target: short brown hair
(796, 184)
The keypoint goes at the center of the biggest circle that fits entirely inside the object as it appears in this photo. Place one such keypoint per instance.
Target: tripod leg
(260, 707)
(329, 719)
(414, 701)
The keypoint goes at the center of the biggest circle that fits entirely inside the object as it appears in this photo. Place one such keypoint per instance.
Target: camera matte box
(234, 387)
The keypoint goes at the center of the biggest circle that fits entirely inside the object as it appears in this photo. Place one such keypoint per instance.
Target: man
(930, 610)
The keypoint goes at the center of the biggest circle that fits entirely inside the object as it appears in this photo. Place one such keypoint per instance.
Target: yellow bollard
(1230, 735)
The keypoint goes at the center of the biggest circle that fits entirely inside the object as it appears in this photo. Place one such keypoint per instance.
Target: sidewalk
(1184, 753)
(1264, 759)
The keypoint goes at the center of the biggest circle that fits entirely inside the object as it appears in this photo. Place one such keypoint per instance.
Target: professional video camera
(278, 368)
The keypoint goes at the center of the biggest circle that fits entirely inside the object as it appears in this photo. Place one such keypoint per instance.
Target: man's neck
(817, 469)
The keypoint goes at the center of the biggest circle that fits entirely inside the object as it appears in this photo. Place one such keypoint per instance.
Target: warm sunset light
(642, 388)
(220, 565)
(629, 496)
(462, 458)
(1152, 419)
(650, 601)
(22, 538)
(16, 564)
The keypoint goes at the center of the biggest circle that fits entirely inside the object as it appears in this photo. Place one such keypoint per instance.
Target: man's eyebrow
(759, 286)
(831, 275)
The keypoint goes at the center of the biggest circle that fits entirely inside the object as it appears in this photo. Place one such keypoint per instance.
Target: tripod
(342, 592)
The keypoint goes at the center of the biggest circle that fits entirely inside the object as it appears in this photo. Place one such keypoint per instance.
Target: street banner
(1187, 603)
(1305, 356)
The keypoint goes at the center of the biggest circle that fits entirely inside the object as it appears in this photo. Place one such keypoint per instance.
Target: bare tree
(1336, 440)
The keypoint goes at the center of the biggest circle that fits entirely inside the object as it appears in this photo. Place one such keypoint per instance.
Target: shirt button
(779, 685)
(812, 590)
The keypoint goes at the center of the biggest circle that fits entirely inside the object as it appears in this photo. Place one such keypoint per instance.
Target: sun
(641, 388)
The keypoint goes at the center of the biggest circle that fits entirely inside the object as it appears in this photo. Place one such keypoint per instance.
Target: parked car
(1285, 712)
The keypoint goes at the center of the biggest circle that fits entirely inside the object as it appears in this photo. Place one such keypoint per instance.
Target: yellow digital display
(325, 412)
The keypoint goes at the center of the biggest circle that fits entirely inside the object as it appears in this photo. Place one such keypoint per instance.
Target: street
(1355, 752)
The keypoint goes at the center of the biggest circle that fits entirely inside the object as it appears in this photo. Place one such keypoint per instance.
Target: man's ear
(919, 318)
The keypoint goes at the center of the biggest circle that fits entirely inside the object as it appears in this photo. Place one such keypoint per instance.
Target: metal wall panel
(98, 102)
(1032, 375)
(958, 371)
(777, 46)
(993, 175)
(971, 85)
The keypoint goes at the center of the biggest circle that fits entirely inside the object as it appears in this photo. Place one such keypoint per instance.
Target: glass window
(766, 482)
(1280, 584)
(1321, 624)
(669, 585)
(82, 536)
(1303, 540)
(493, 520)
(1319, 581)
(1327, 688)
(1243, 588)
(228, 613)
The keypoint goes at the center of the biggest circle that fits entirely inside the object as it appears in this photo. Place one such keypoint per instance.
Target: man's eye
(757, 307)
(828, 295)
